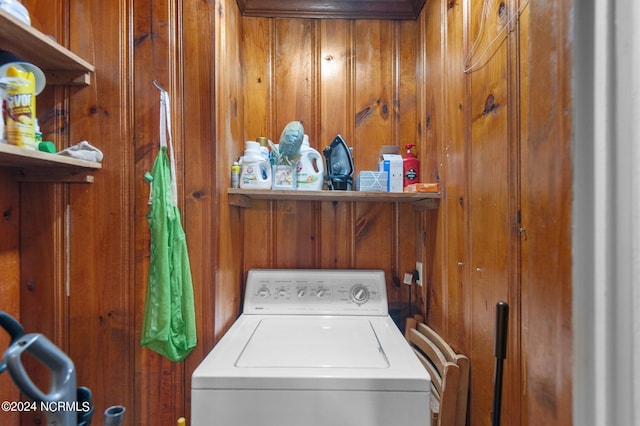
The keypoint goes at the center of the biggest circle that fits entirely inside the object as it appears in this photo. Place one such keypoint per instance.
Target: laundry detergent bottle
(310, 175)
(411, 168)
(255, 171)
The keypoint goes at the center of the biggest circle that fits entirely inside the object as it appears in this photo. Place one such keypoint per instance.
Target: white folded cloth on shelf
(83, 151)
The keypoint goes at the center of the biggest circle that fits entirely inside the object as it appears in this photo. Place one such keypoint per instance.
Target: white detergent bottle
(255, 171)
(310, 168)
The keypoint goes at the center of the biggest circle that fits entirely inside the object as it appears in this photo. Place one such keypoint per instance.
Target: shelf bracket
(49, 175)
(68, 78)
(239, 200)
(426, 204)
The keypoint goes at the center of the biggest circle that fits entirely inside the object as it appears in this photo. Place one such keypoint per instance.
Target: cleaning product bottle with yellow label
(411, 167)
(20, 108)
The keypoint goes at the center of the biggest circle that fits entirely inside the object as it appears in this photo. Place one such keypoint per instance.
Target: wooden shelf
(37, 166)
(419, 200)
(336, 9)
(60, 65)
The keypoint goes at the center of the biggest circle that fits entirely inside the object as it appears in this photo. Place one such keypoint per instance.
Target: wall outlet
(419, 269)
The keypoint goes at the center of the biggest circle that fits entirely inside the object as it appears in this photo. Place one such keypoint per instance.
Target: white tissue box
(371, 181)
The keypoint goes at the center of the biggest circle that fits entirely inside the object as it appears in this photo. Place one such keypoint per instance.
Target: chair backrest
(449, 374)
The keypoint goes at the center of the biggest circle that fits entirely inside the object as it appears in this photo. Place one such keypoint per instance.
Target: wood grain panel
(335, 102)
(489, 189)
(453, 214)
(513, 366)
(258, 77)
(9, 279)
(431, 129)
(101, 288)
(295, 54)
(158, 382)
(259, 71)
(490, 118)
(42, 257)
(429, 238)
(374, 91)
(546, 215)
(199, 172)
(406, 131)
(43, 296)
(229, 141)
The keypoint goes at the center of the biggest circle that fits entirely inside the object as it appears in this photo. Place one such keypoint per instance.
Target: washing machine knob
(360, 294)
(282, 293)
(263, 292)
(320, 293)
(302, 292)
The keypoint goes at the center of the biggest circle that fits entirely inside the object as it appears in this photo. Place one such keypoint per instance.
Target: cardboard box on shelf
(390, 161)
(422, 187)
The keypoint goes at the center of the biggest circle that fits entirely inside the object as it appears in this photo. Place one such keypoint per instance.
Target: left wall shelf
(60, 65)
(36, 166)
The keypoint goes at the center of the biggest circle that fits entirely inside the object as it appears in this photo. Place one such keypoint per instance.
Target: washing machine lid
(314, 342)
(315, 353)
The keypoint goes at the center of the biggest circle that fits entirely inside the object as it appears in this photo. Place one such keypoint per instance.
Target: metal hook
(155, 83)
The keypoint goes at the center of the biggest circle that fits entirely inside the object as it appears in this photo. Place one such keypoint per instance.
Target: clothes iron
(339, 165)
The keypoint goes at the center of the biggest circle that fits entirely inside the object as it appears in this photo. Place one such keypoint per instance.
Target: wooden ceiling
(344, 9)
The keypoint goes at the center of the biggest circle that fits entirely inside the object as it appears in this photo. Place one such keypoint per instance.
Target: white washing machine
(312, 348)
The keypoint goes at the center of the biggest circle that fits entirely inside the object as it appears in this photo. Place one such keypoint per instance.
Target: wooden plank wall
(546, 224)
(9, 277)
(354, 78)
(496, 136)
(499, 76)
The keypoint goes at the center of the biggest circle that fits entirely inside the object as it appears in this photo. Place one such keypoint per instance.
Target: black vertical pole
(500, 352)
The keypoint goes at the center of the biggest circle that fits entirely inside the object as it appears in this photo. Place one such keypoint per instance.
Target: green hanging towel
(169, 324)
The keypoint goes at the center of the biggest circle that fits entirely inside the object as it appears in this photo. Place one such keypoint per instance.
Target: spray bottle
(411, 167)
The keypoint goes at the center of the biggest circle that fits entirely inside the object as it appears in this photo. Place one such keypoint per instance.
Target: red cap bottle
(411, 167)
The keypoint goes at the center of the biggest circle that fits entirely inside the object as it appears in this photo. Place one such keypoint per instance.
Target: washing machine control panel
(318, 292)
